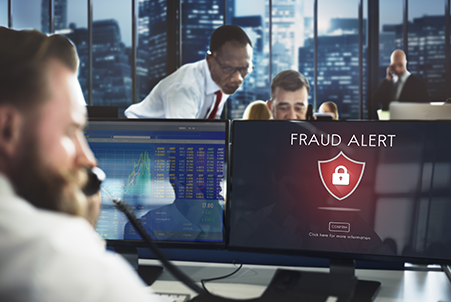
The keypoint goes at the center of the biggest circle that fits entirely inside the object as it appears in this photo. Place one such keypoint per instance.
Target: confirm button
(344, 227)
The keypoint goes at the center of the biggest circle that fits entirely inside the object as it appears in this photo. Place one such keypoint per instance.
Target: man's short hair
(23, 55)
(226, 33)
(289, 80)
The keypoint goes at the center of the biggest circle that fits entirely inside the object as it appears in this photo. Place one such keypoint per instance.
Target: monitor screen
(357, 190)
(172, 172)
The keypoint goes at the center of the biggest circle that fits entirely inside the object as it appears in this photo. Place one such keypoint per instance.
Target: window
(111, 51)
(199, 19)
(250, 16)
(152, 44)
(29, 15)
(426, 45)
(71, 20)
(4, 13)
(282, 32)
(391, 32)
(338, 56)
(307, 49)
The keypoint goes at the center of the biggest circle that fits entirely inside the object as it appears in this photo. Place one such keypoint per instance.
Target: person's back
(48, 256)
(170, 88)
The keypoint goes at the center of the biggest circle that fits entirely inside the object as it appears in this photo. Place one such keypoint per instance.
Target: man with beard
(48, 249)
(200, 90)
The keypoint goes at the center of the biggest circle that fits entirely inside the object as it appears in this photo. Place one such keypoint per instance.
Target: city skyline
(292, 48)
(103, 9)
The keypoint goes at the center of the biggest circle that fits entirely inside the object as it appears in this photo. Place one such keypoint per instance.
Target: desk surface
(252, 280)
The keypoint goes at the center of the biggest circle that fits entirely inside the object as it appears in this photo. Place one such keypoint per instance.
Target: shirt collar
(404, 77)
(210, 86)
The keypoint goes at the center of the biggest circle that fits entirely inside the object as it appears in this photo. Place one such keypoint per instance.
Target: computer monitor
(342, 190)
(420, 111)
(172, 172)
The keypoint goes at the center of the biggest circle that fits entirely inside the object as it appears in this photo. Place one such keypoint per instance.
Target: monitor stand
(149, 273)
(340, 283)
(364, 290)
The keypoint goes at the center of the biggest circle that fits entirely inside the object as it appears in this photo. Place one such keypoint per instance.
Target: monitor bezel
(176, 244)
(320, 253)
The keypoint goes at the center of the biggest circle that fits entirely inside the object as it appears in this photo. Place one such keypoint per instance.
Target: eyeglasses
(244, 71)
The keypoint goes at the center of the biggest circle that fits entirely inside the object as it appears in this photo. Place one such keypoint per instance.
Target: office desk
(251, 281)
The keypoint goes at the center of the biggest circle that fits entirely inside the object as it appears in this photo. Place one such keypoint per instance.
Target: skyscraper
(59, 15)
(199, 19)
(152, 45)
(426, 54)
(338, 67)
(287, 33)
(111, 66)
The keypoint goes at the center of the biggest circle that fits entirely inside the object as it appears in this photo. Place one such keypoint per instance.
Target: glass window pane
(338, 56)
(75, 24)
(30, 15)
(152, 45)
(426, 53)
(4, 13)
(199, 19)
(306, 57)
(287, 29)
(249, 15)
(391, 32)
(112, 36)
(365, 60)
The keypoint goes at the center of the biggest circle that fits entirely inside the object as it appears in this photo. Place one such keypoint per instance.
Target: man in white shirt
(399, 85)
(49, 250)
(200, 90)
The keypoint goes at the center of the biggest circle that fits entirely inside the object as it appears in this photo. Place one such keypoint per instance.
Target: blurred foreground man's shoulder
(49, 250)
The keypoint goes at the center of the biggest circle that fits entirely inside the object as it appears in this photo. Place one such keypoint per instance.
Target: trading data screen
(171, 172)
(366, 188)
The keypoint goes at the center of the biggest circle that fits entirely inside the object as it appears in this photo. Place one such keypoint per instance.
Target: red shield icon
(340, 175)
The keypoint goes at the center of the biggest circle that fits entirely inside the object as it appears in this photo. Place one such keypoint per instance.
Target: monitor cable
(222, 277)
(204, 295)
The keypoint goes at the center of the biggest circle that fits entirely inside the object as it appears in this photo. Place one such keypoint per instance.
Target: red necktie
(212, 114)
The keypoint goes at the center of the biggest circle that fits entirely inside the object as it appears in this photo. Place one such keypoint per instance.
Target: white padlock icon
(340, 179)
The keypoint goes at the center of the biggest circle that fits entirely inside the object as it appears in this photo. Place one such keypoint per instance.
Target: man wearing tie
(399, 85)
(200, 90)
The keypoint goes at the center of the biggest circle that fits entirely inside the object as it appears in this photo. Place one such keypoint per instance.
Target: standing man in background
(399, 85)
(200, 90)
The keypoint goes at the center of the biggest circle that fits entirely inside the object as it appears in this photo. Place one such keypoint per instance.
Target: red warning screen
(357, 187)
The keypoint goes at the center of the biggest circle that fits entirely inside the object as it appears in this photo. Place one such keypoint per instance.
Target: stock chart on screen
(170, 172)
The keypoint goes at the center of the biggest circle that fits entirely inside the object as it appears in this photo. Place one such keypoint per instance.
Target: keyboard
(175, 297)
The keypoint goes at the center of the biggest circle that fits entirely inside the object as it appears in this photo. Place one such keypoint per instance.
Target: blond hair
(257, 110)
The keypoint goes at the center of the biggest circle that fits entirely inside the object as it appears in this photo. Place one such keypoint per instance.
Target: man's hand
(390, 73)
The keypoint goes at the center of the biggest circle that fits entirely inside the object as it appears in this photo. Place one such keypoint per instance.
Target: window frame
(174, 43)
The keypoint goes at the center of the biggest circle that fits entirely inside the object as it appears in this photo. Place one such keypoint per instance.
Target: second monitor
(172, 172)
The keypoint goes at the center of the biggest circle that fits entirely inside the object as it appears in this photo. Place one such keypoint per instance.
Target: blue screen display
(172, 173)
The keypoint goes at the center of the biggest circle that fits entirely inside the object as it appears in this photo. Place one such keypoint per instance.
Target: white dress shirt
(402, 80)
(49, 256)
(189, 92)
